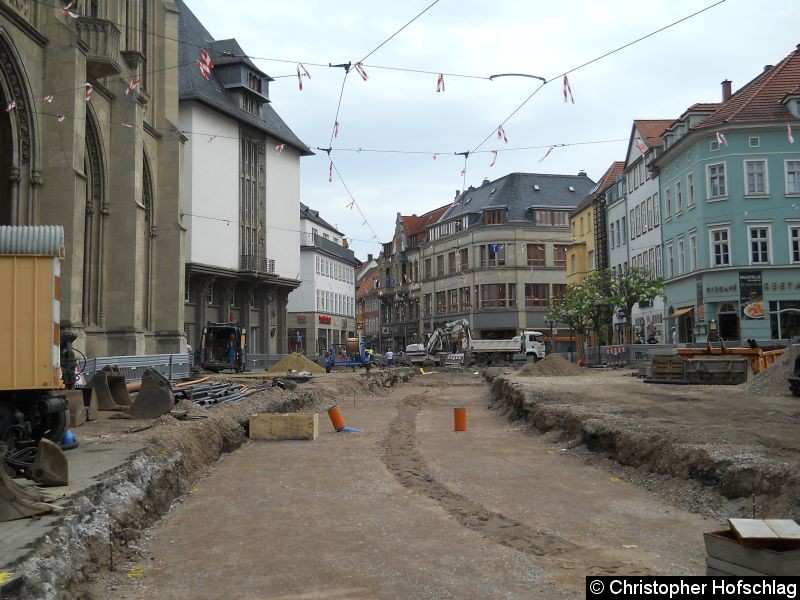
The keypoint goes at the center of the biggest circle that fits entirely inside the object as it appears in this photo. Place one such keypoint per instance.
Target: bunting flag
(501, 134)
(279, 148)
(61, 118)
(132, 85)
(494, 158)
(568, 90)
(129, 126)
(336, 129)
(546, 154)
(360, 68)
(351, 204)
(435, 156)
(66, 9)
(640, 145)
(11, 105)
(211, 139)
(440, 83)
(89, 90)
(300, 77)
(789, 134)
(330, 173)
(205, 63)
(49, 98)
(722, 139)
(463, 172)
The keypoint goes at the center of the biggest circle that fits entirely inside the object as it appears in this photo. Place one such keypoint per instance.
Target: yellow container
(30, 298)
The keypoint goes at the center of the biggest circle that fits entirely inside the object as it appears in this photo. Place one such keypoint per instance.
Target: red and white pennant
(501, 134)
(132, 85)
(789, 134)
(440, 83)
(546, 154)
(568, 90)
(205, 63)
(300, 77)
(721, 139)
(89, 90)
(494, 158)
(360, 69)
(67, 10)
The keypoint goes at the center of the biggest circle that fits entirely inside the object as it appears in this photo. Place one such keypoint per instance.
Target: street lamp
(552, 324)
(570, 320)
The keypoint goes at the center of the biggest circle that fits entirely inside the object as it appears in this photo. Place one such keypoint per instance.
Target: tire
(482, 360)
(497, 358)
(52, 427)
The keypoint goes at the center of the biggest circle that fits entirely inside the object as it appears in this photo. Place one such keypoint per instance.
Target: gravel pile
(296, 362)
(773, 381)
(551, 366)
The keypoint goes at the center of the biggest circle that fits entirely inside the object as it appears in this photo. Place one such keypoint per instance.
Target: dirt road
(408, 509)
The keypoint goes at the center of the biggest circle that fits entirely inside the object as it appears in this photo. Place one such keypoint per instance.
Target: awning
(680, 312)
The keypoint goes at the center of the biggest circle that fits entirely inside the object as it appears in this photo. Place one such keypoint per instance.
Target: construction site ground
(556, 478)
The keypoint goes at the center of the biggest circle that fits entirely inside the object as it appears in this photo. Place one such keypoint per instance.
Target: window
(440, 265)
(590, 259)
(559, 289)
(667, 203)
(759, 244)
(463, 259)
(452, 300)
(649, 210)
(572, 267)
(535, 255)
(465, 300)
(651, 260)
(210, 295)
(494, 295)
(451, 262)
(551, 218)
(326, 236)
(670, 261)
(681, 257)
(633, 224)
(656, 211)
(250, 181)
(441, 308)
(187, 291)
(611, 234)
(624, 230)
(428, 304)
(493, 217)
(714, 146)
(638, 216)
(690, 191)
(793, 176)
(693, 252)
(754, 141)
(720, 247)
(716, 181)
(659, 265)
(493, 255)
(536, 294)
(678, 198)
(755, 177)
(428, 268)
(616, 241)
(794, 244)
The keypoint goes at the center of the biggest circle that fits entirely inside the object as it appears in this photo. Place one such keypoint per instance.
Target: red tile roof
(761, 99)
(414, 225)
(367, 283)
(606, 181)
(651, 130)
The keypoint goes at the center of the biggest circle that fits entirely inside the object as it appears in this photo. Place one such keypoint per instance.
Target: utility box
(284, 426)
(30, 311)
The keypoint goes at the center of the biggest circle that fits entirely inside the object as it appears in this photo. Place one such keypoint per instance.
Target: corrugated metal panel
(45, 240)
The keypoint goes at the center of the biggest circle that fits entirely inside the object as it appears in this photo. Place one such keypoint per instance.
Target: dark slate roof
(193, 86)
(606, 181)
(313, 215)
(228, 52)
(516, 192)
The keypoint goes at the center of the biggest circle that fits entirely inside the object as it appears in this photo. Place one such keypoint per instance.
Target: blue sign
(299, 339)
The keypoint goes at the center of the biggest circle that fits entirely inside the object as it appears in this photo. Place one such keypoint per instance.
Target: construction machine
(33, 411)
(353, 354)
(223, 346)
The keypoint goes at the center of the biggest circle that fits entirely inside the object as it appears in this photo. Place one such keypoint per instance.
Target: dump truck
(353, 354)
(31, 377)
(223, 346)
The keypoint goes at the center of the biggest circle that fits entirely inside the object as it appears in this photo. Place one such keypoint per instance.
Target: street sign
(360, 325)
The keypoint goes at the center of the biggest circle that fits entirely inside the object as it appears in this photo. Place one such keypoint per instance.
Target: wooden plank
(752, 529)
(284, 426)
(786, 529)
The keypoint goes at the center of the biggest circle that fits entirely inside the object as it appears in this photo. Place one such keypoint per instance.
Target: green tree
(637, 284)
(580, 305)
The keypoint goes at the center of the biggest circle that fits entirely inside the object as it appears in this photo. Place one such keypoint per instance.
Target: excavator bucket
(155, 397)
(50, 467)
(17, 502)
(111, 389)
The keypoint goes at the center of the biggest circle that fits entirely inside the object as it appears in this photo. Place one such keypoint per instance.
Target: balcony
(102, 38)
(257, 264)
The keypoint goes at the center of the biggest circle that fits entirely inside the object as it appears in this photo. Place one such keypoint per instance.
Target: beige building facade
(88, 140)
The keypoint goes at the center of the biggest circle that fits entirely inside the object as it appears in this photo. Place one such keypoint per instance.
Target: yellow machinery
(30, 364)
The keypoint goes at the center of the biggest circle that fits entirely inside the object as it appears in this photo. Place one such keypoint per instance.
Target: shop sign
(721, 289)
(783, 285)
(301, 318)
(325, 319)
(751, 295)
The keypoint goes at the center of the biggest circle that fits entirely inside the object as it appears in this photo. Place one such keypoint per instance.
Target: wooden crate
(284, 426)
(667, 368)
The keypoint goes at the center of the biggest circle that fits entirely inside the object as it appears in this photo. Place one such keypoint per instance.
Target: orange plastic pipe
(134, 387)
(337, 418)
(460, 419)
(192, 382)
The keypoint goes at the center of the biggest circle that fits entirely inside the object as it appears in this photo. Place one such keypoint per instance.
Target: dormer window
(254, 82)
(493, 217)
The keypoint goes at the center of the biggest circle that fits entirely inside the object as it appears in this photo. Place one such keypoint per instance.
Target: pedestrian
(389, 358)
(674, 336)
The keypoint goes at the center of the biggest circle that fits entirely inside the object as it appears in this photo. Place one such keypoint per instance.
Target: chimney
(369, 258)
(767, 67)
(726, 90)
(458, 193)
(485, 181)
(581, 173)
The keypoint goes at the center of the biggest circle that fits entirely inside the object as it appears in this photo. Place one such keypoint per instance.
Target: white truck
(528, 343)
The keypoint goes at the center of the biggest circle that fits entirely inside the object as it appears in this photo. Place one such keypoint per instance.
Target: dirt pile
(774, 380)
(551, 366)
(296, 362)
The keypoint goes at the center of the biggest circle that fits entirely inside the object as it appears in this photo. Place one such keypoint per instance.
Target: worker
(232, 349)
(389, 358)
(674, 336)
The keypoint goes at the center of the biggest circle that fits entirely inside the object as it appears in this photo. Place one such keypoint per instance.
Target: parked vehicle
(223, 347)
(353, 354)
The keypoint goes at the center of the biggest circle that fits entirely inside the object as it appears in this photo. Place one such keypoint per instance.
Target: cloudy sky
(657, 78)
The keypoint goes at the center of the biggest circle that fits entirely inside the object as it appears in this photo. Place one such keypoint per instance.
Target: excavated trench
(776, 485)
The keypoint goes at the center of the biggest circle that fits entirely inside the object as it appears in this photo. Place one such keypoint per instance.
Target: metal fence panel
(172, 366)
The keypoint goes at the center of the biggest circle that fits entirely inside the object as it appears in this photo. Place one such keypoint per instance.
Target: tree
(637, 284)
(579, 306)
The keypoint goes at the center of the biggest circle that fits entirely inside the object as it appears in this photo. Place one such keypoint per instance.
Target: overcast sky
(657, 78)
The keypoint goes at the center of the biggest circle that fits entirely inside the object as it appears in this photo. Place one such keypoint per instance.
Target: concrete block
(90, 402)
(284, 426)
(77, 411)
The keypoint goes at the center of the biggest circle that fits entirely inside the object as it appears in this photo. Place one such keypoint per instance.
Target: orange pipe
(337, 418)
(134, 387)
(460, 419)
(192, 382)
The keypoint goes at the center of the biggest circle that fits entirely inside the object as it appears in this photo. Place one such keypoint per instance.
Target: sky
(657, 78)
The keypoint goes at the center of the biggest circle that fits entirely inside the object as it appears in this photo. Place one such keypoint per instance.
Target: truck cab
(222, 347)
(533, 344)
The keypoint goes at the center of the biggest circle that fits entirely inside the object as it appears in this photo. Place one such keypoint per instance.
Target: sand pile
(551, 366)
(774, 380)
(297, 362)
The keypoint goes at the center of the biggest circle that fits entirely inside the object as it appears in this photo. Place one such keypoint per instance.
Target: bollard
(337, 419)
(460, 419)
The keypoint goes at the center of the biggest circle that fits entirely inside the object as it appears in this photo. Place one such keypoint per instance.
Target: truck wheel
(497, 359)
(482, 360)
